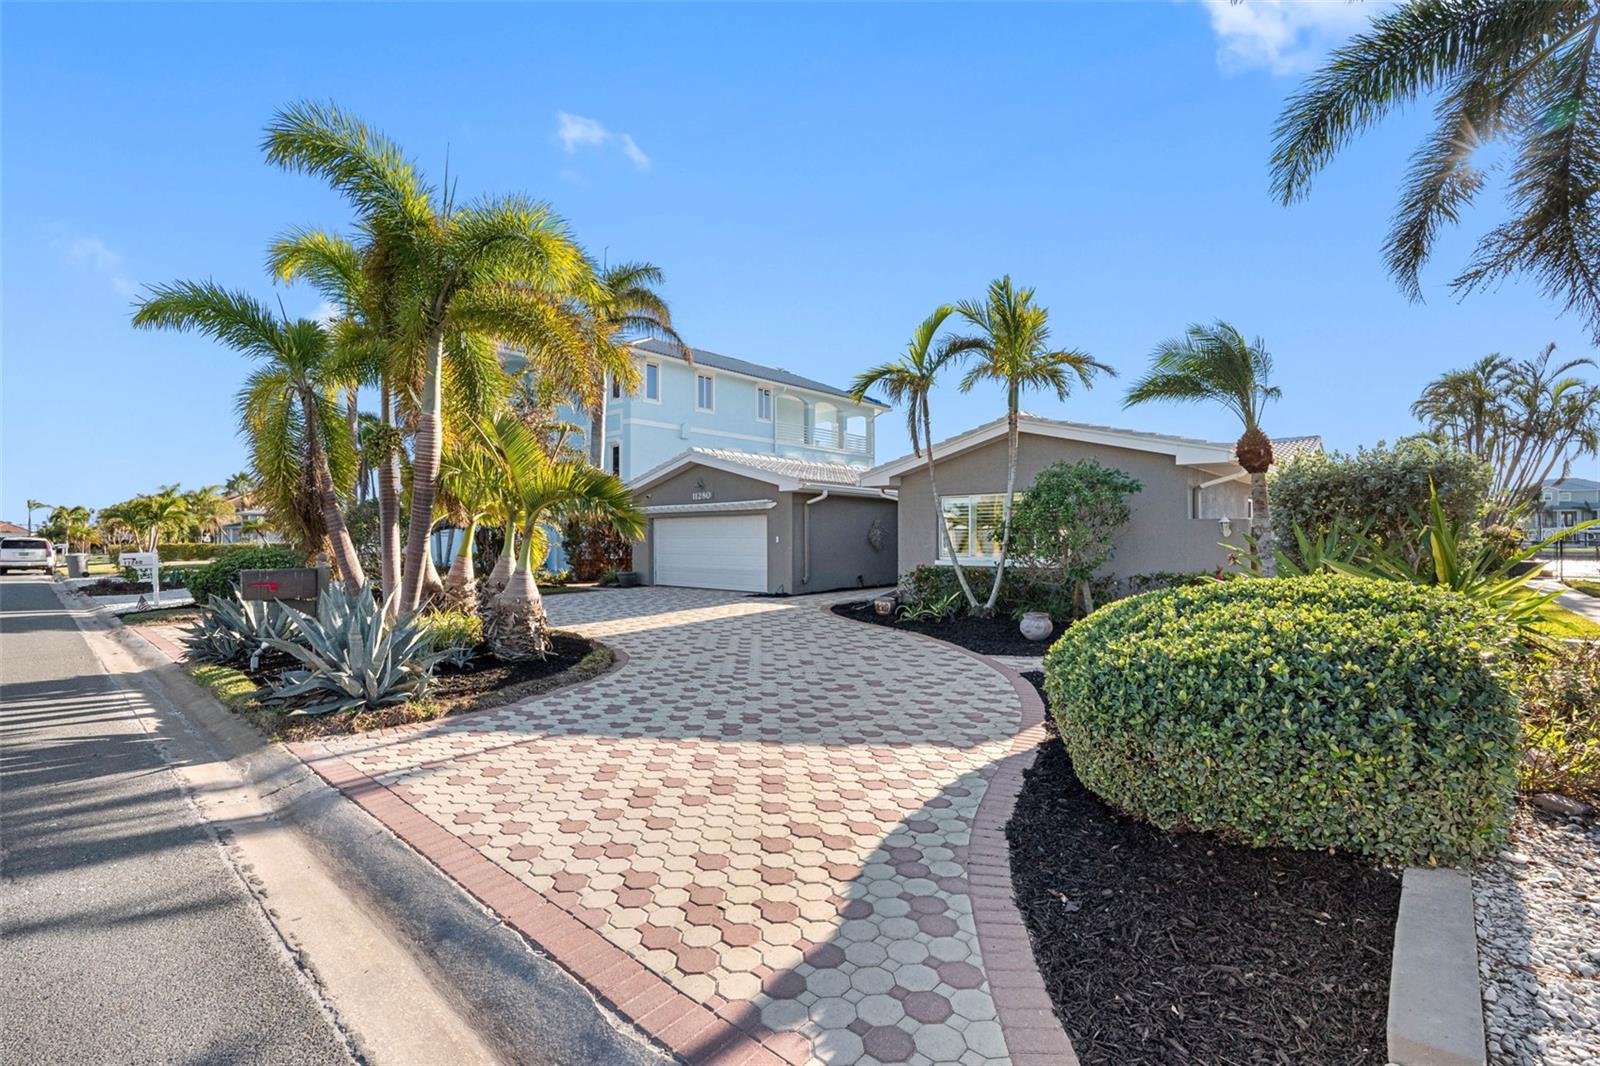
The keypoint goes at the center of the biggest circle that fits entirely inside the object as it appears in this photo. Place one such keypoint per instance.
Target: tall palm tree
(1516, 71)
(1462, 406)
(209, 509)
(163, 512)
(909, 380)
(540, 491)
(628, 307)
(1215, 364)
(71, 524)
(287, 405)
(240, 484)
(1012, 347)
(34, 505)
(448, 275)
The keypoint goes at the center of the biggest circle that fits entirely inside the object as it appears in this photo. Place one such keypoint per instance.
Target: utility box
(299, 587)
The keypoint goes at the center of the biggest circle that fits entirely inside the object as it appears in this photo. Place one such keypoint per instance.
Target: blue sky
(814, 180)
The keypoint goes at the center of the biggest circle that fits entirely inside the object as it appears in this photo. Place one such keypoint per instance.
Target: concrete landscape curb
(523, 1006)
(1435, 1006)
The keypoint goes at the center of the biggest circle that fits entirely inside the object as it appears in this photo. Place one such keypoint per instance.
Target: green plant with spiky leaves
(1012, 348)
(1518, 72)
(288, 407)
(1215, 364)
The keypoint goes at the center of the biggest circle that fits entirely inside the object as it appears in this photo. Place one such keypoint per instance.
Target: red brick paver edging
(772, 835)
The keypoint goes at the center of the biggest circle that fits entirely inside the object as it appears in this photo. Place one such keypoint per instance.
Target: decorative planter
(627, 579)
(883, 605)
(1036, 625)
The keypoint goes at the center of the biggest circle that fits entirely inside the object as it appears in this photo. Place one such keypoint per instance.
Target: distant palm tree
(255, 527)
(1012, 347)
(1522, 71)
(164, 512)
(209, 509)
(1462, 406)
(34, 505)
(1215, 364)
(71, 524)
(627, 307)
(240, 484)
(288, 407)
(909, 380)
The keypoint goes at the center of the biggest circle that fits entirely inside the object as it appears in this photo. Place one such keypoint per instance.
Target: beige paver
(768, 806)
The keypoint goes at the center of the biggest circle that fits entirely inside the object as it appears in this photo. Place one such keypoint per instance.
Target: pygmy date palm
(1521, 72)
(1215, 364)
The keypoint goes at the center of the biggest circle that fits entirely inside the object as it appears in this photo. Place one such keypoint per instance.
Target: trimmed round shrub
(1315, 712)
(221, 576)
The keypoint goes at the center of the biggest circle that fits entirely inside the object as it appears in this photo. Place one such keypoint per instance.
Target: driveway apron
(756, 838)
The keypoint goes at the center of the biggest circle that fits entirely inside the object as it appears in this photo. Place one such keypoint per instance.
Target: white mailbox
(148, 566)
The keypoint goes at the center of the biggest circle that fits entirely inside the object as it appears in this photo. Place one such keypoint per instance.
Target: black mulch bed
(987, 636)
(487, 674)
(1182, 948)
(116, 586)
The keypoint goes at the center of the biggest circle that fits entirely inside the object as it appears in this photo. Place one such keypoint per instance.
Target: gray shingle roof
(774, 374)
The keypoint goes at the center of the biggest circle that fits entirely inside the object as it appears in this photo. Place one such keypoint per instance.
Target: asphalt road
(125, 934)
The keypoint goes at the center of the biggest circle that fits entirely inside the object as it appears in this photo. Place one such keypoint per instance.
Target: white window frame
(765, 398)
(970, 500)
(645, 392)
(711, 382)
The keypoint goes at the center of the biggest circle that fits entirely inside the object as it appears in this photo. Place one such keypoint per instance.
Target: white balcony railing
(823, 436)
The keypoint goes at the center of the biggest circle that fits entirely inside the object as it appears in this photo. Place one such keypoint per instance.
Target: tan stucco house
(748, 522)
(1195, 495)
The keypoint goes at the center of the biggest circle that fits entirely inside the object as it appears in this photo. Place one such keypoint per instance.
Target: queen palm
(909, 380)
(499, 268)
(540, 491)
(1516, 71)
(1215, 364)
(1012, 347)
(288, 408)
(34, 505)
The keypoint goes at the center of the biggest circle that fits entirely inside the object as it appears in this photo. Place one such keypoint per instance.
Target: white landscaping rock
(1538, 918)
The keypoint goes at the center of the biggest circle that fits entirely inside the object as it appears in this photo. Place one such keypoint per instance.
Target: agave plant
(229, 628)
(355, 653)
(211, 639)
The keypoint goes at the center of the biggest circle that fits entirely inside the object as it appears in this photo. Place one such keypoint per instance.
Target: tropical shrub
(221, 576)
(1311, 712)
(1061, 530)
(594, 548)
(1382, 490)
(1561, 722)
(456, 633)
(354, 655)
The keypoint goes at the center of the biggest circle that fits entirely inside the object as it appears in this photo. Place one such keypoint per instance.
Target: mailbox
(298, 587)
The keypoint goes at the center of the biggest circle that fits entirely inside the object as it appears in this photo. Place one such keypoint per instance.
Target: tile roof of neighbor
(1290, 447)
(784, 466)
(11, 527)
(741, 366)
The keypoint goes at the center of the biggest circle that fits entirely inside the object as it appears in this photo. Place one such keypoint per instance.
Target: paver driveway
(755, 838)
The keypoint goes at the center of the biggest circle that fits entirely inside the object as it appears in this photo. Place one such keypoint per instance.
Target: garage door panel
(712, 552)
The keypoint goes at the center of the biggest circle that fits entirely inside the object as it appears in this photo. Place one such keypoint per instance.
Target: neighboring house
(728, 404)
(1195, 494)
(11, 528)
(1563, 503)
(245, 509)
(724, 519)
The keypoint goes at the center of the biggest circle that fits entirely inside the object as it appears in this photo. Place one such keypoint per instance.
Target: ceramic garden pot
(1036, 625)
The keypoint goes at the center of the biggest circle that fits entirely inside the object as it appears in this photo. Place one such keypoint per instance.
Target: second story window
(764, 405)
(616, 460)
(652, 382)
(616, 387)
(705, 395)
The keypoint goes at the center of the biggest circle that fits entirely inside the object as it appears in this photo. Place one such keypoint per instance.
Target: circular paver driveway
(768, 807)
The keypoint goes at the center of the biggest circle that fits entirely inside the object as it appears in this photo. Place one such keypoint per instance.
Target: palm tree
(1517, 71)
(909, 380)
(1461, 407)
(449, 276)
(1215, 364)
(288, 407)
(163, 512)
(628, 307)
(34, 505)
(71, 524)
(241, 484)
(255, 527)
(1012, 347)
(209, 509)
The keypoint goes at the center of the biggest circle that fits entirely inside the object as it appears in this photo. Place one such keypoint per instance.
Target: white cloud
(1284, 36)
(94, 253)
(576, 131)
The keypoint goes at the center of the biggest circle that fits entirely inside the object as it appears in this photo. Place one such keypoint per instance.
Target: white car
(27, 553)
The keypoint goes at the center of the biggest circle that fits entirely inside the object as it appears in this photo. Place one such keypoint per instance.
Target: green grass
(160, 616)
(1561, 623)
(225, 683)
(1588, 588)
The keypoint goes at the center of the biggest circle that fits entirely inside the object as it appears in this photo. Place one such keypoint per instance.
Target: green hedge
(1319, 712)
(183, 551)
(221, 576)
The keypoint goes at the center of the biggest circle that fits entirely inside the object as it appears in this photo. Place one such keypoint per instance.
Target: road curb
(522, 1006)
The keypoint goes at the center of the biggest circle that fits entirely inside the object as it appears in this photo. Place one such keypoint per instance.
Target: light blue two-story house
(1564, 503)
(729, 404)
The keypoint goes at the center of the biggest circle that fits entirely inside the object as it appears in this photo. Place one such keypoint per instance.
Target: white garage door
(713, 552)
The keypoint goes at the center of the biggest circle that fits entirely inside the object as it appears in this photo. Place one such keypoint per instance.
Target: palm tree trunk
(1261, 525)
(521, 629)
(352, 418)
(501, 574)
(1012, 435)
(344, 549)
(389, 503)
(938, 512)
(461, 586)
(424, 478)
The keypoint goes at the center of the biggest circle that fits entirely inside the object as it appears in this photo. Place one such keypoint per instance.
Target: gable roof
(786, 473)
(12, 527)
(777, 375)
(1580, 484)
